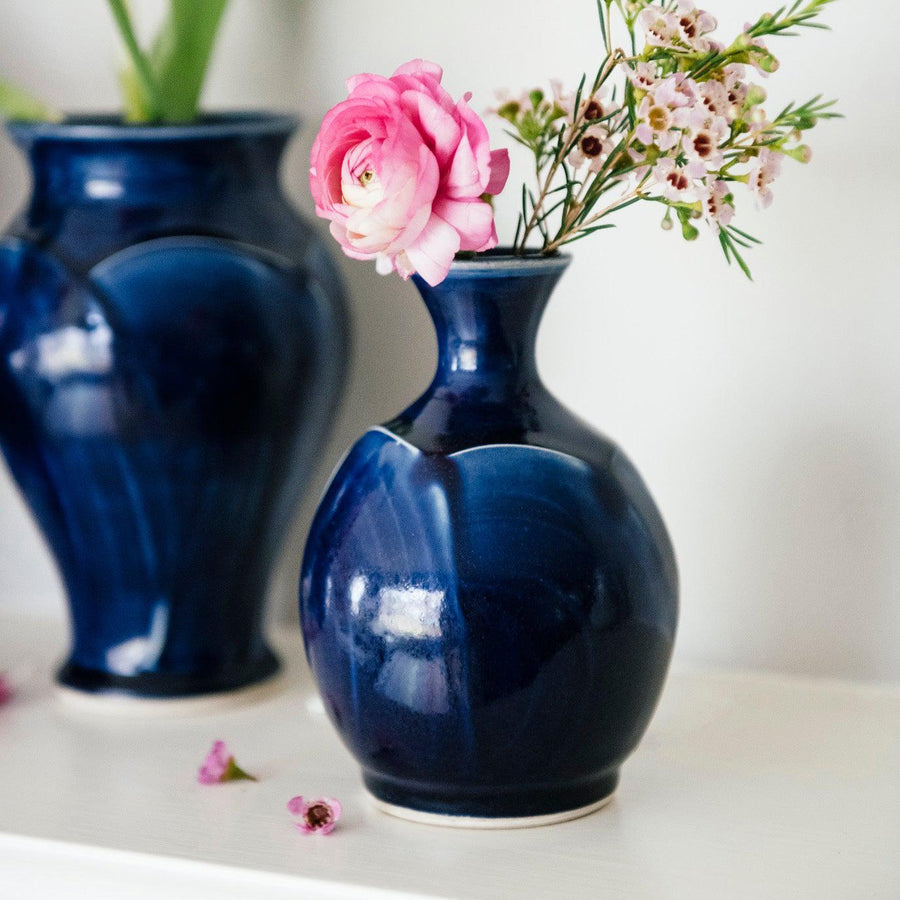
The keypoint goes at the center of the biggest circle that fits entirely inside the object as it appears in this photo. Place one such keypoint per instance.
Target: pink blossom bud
(756, 95)
(803, 153)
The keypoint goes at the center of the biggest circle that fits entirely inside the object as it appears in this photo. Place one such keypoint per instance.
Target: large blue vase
(489, 595)
(172, 344)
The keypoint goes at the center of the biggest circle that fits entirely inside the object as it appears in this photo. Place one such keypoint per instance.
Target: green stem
(148, 107)
(626, 200)
(568, 143)
(181, 54)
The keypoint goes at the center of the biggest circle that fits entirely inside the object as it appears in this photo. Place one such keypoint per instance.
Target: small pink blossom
(593, 148)
(714, 97)
(316, 816)
(677, 90)
(665, 112)
(6, 689)
(737, 89)
(643, 76)
(685, 28)
(591, 108)
(693, 26)
(402, 172)
(716, 202)
(597, 117)
(219, 767)
(763, 171)
(659, 27)
(703, 140)
(679, 182)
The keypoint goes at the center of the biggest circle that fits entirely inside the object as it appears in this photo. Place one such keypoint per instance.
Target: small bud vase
(488, 595)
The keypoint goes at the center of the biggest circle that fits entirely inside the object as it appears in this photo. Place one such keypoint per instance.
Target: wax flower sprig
(677, 123)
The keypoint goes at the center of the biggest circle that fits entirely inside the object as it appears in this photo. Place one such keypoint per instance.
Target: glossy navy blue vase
(172, 344)
(489, 595)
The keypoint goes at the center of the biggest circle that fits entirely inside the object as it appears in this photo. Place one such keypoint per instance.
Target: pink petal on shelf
(219, 766)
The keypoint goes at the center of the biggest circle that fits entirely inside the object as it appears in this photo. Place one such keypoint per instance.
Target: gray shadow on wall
(825, 562)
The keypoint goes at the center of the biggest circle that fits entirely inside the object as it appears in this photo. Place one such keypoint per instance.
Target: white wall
(765, 417)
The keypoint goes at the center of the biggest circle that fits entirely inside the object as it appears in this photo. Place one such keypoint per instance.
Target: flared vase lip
(99, 127)
(502, 262)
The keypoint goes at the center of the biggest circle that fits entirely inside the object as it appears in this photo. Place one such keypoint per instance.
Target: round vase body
(172, 343)
(488, 595)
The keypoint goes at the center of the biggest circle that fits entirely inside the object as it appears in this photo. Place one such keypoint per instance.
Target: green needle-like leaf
(19, 105)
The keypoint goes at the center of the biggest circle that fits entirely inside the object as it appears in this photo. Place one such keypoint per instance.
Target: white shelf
(746, 786)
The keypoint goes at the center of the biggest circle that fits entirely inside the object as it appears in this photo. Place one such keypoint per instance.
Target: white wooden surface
(746, 786)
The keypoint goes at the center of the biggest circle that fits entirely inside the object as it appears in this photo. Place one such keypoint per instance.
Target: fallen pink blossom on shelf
(6, 690)
(219, 767)
(316, 816)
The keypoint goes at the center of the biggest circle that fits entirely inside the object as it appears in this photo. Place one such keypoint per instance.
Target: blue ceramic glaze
(489, 595)
(172, 344)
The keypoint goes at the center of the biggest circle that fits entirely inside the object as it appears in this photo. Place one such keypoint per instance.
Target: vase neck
(486, 319)
(148, 165)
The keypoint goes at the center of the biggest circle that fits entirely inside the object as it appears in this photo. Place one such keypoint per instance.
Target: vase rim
(503, 262)
(111, 127)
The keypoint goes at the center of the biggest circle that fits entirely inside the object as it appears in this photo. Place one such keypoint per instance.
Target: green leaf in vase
(19, 105)
(164, 84)
(181, 53)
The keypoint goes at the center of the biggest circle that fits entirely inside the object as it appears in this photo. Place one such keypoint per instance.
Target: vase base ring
(484, 823)
(113, 703)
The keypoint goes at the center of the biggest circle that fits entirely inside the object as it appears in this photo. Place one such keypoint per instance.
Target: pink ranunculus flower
(402, 171)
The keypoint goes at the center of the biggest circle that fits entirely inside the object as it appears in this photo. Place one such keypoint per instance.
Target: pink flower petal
(297, 806)
(214, 765)
(421, 67)
(499, 172)
(472, 219)
(371, 87)
(336, 808)
(434, 122)
(463, 180)
(479, 141)
(434, 250)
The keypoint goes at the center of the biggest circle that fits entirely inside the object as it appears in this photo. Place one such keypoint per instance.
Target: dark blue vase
(172, 344)
(489, 595)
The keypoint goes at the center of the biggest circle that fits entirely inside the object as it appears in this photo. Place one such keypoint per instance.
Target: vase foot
(484, 822)
(167, 693)
(490, 806)
(111, 703)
